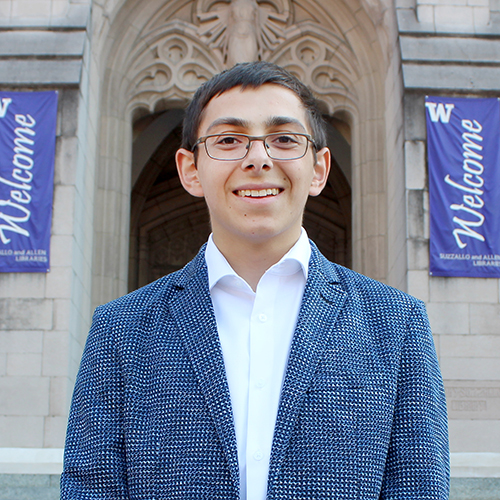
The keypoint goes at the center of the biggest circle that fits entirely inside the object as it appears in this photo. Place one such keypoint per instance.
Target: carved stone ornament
(323, 61)
(171, 66)
(175, 58)
(242, 30)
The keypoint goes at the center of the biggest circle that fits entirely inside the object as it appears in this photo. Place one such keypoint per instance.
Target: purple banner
(463, 147)
(27, 149)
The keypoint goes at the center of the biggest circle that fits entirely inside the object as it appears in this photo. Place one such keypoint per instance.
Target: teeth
(258, 193)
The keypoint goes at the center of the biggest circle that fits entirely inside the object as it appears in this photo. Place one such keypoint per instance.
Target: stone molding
(451, 77)
(31, 460)
(475, 464)
(44, 57)
(408, 22)
(46, 43)
(76, 15)
(28, 72)
(461, 49)
(456, 63)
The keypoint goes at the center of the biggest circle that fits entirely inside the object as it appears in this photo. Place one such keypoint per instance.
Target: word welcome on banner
(463, 147)
(27, 149)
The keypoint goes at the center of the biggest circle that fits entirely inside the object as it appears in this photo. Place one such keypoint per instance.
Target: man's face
(255, 199)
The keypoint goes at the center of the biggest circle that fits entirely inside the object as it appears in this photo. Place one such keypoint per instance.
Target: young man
(260, 370)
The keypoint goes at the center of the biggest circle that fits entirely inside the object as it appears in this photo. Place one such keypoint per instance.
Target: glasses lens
(227, 147)
(286, 146)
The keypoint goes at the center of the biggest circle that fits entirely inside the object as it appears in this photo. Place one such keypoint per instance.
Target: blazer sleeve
(94, 457)
(417, 464)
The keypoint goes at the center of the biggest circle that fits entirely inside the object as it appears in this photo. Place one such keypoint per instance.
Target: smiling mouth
(257, 193)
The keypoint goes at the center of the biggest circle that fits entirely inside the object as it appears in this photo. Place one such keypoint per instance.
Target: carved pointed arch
(150, 56)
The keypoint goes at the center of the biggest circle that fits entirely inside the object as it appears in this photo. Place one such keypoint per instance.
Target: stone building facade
(124, 70)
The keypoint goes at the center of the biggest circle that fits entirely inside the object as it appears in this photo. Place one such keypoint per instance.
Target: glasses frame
(252, 138)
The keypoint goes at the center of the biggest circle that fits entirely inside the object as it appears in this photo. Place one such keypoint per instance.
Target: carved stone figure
(242, 30)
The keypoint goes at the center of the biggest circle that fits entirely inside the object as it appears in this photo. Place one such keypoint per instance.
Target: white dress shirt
(255, 331)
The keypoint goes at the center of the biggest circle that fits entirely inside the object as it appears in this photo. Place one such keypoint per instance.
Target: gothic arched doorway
(168, 226)
(151, 59)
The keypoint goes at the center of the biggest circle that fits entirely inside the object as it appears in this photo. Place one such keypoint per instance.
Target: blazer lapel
(323, 299)
(193, 311)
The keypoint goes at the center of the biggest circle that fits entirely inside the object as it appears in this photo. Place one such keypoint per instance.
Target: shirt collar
(296, 258)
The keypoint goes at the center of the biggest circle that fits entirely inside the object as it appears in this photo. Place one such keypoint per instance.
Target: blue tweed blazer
(362, 412)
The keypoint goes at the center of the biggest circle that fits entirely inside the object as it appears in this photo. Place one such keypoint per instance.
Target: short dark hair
(254, 75)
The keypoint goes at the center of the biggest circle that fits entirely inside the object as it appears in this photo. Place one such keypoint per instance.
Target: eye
(227, 140)
(284, 140)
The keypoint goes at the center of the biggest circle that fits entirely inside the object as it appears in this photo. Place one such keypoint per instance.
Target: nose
(257, 157)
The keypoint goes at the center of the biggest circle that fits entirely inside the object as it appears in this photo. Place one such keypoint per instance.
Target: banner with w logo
(463, 148)
(27, 149)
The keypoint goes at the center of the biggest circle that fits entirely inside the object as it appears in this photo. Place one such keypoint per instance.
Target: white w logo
(437, 111)
(4, 105)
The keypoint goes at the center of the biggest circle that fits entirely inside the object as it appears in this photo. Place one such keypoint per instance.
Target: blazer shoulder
(366, 292)
(372, 288)
(160, 291)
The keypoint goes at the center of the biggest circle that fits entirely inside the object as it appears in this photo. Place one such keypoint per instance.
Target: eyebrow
(274, 121)
(235, 122)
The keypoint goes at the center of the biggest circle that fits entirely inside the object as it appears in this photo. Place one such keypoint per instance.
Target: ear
(188, 173)
(321, 171)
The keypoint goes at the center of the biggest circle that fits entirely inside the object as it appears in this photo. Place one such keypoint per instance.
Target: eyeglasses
(279, 146)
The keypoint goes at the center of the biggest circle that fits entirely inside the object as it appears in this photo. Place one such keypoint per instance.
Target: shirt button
(258, 455)
(260, 383)
(262, 318)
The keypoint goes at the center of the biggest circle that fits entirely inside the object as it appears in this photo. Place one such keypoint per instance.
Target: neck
(251, 259)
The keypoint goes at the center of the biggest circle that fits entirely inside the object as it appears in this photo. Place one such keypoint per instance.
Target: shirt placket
(260, 432)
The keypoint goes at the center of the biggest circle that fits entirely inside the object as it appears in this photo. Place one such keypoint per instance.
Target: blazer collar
(192, 309)
(322, 301)
(197, 269)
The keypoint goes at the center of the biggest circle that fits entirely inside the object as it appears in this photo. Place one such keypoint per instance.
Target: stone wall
(442, 56)
(39, 313)
(44, 317)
